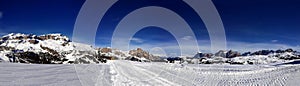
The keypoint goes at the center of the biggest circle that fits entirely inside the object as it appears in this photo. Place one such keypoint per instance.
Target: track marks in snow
(164, 74)
(127, 73)
(130, 74)
(94, 74)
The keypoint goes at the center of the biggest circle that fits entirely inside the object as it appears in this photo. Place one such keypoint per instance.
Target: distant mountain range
(59, 49)
(258, 57)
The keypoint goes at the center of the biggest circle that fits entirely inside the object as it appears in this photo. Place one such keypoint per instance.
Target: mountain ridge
(23, 48)
(56, 48)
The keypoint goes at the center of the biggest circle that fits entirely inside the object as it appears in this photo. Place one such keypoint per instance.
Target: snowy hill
(48, 48)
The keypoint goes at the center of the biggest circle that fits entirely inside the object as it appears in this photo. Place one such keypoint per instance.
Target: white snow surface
(128, 73)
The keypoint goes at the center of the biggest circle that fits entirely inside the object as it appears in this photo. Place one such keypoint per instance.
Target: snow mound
(52, 45)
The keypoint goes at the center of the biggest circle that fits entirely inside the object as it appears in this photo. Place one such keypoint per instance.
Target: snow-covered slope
(128, 73)
(33, 43)
(18, 47)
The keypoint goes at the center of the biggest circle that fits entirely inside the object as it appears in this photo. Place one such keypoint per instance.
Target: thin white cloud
(187, 38)
(274, 41)
(137, 40)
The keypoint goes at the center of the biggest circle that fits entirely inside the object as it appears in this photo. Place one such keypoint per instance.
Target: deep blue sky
(248, 23)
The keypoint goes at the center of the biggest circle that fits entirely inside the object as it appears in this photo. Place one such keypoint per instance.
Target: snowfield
(127, 73)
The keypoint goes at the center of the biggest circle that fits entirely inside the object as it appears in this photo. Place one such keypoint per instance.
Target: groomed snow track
(127, 73)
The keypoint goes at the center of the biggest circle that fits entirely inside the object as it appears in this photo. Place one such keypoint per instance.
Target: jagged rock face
(33, 41)
(232, 54)
(227, 54)
(289, 50)
(221, 53)
(209, 55)
(53, 37)
(35, 58)
(106, 50)
(200, 55)
(279, 51)
(139, 53)
(246, 54)
(263, 52)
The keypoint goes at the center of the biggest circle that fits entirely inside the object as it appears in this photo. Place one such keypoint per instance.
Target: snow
(267, 69)
(60, 44)
(14, 35)
(26, 46)
(126, 73)
(258, 59)
(82, 47)
(56, 45)
(3, 55)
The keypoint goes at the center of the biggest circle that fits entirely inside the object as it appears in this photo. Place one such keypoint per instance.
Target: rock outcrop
(140, 53)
